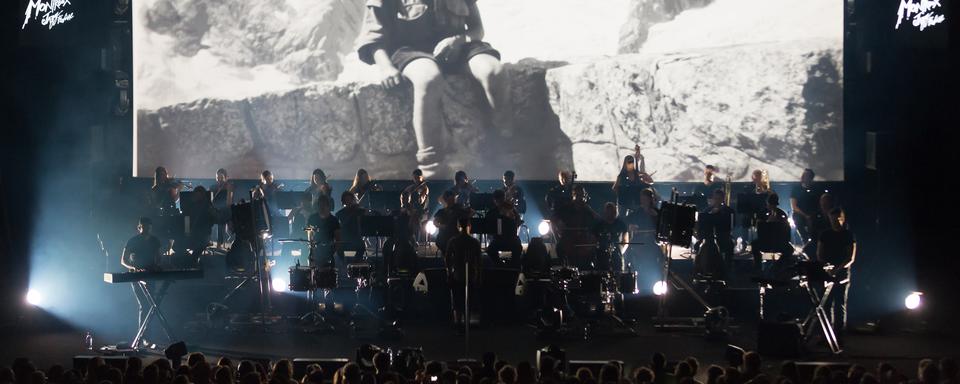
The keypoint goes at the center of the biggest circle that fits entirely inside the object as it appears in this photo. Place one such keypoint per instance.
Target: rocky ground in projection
(775, 104)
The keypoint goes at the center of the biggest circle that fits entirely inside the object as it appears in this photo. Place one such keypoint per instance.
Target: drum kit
(591, 295)
(324, 278)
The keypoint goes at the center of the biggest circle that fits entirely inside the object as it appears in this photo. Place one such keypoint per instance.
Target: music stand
(481, 201)
(288, 199)
(376, 226)
(384, 201)
(751, 203)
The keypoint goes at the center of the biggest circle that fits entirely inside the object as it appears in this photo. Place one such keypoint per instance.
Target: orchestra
(583, 239)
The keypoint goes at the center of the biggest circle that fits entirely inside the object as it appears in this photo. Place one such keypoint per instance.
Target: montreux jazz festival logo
(921, 13)
(51, 13)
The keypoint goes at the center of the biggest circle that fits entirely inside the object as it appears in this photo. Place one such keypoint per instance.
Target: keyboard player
(142, 252)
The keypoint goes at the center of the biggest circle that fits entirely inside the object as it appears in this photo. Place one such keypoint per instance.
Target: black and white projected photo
(249, 85)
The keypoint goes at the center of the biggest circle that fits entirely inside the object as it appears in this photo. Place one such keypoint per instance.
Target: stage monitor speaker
(329, 366)
(782, 339)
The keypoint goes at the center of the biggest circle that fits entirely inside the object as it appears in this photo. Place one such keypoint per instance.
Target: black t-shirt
(326, 228)
(144, 250)
(446, 221)
(609, 232)
(808, 197)
(644, 220)
(834, 245)
(461, 249)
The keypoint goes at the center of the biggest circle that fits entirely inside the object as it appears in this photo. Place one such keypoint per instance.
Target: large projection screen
(249, 85)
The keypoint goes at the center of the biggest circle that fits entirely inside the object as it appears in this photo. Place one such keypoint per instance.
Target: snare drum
(359, 270)
(301, 278)
(325, 278)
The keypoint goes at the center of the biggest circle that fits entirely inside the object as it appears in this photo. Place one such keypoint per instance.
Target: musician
(203, 216)
(319, 188)
(776, 236)
(560, 195)
(706, 187)
(420, 41)
(142, 252)
(575, 223)
(463, 188)
(326, 228)
(647, 214)
(414, 199)
(462, 257)
(632, 179)
(165, 192)
(300, 215)
(758, 192)
(611, 232)
(838, 248)
(222, 190)
(446, 218)
(361, 185)
(804, 200)
(717, 221)
(820, 221)
(266, 189)
(349, 217)
(513, 192)
(504, 237)
(222, 200)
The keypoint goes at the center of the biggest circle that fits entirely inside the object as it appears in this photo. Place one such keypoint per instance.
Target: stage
(513, 343)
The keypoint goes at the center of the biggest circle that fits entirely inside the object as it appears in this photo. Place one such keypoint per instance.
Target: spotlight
(431, 228)
(660, 288)
(913, 300)
(34, 298)
(279, 285)
(544, 227)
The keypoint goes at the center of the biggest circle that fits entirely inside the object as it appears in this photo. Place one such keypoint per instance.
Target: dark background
(66, 155)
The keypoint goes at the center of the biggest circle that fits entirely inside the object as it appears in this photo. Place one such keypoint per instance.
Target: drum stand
(819, 314)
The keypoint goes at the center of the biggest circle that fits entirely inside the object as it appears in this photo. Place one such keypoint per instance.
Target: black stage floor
(512, 342)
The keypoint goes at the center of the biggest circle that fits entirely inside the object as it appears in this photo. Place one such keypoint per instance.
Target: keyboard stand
(154, 310)
(819, 314)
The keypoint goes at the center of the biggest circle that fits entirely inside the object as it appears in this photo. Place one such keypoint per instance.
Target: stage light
(913, 300)
(279, 285)
(792, 223)
(544, 227)
(660, 288)
(34, 298)
(431, 228)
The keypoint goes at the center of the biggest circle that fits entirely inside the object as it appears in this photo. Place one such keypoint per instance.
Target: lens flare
(660, 288)
(34, 298)
(913, 300)
(544, 227)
